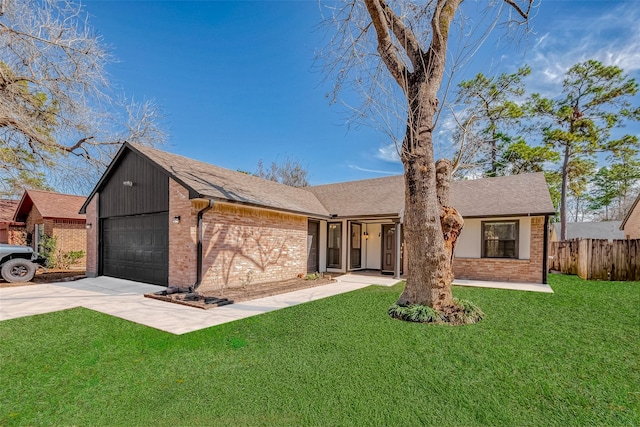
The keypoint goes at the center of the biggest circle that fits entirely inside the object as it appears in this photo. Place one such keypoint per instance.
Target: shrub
(462, 312)
(64, 260)
(47, 248)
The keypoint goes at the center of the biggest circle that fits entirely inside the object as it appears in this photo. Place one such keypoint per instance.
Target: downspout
(199, 233)
(545, 250)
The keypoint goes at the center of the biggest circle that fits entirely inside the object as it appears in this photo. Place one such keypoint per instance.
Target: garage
(136, 248)
(130, 226)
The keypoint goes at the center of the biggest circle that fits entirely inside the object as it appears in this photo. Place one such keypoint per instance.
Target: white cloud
(358, 168)
(612, 38)
(388, 153)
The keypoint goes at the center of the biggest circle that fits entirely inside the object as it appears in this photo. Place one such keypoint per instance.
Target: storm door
(313, 237)
(334, 240)
(388, 248)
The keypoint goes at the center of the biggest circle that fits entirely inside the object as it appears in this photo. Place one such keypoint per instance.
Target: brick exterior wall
(632, 226)
(92, 237)
(16, 235)
(182, 237)
(507, 270)
(71, 235)
(34, 217)
(244, 246)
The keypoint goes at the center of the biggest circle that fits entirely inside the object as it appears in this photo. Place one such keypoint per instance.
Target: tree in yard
(288, 172)
(579, 174)
(603, 193)
(612, 186)
(491, 114)
(409, 40)
(595, 100)
(58, 119)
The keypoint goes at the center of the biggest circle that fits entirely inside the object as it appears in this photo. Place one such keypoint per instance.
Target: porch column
(398, 266)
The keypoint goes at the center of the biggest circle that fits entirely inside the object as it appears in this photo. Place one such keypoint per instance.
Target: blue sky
(238, 83)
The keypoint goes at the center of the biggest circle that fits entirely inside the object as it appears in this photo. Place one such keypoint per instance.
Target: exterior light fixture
(176, 219)
(88, 226)
(127, 184)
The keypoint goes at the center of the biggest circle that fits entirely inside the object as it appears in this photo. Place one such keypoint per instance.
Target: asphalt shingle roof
(7, 209)
(592, 230)
(224, 184)
(513, 195)
(50, 205)
(377, 196)
(525, 194)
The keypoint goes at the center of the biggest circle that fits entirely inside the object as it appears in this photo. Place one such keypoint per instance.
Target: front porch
(355, 245)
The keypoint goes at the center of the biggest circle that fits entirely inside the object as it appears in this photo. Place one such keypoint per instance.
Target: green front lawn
(569, 358)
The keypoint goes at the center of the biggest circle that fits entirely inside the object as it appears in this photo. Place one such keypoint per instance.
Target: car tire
(18, 270)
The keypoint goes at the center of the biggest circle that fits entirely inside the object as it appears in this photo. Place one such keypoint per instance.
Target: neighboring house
(630, 226)
(54, 215)
(10, 231)
(161, 218)
(609, 230)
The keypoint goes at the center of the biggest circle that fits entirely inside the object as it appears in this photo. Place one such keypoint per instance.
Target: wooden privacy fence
(596, 259)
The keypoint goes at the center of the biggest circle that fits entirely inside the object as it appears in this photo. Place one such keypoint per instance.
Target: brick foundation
(507, 270)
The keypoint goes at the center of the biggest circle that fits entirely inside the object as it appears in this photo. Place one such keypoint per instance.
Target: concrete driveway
(124, 299)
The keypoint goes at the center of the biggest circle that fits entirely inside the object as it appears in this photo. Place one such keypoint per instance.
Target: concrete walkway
(124, 299)
(515, 286)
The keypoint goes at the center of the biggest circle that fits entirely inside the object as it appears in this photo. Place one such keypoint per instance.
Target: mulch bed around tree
(243, 293)
(48, 276)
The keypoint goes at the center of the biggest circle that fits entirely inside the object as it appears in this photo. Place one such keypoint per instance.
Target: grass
(569, 358)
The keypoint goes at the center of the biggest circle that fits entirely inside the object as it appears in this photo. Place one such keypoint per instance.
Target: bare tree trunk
(417, 64)
(427, 269)
(429, 252)
(450, 220)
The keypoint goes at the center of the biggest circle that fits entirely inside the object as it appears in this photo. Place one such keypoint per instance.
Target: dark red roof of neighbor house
(50, 205)
(8, 209)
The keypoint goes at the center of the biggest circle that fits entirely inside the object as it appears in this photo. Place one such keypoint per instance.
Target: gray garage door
(136, 248)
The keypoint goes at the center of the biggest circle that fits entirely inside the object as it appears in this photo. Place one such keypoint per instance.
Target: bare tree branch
(386, 48)
(57, 108)
(524, 13)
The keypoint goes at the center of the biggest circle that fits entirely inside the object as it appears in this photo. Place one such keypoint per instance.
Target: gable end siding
(148, 194)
